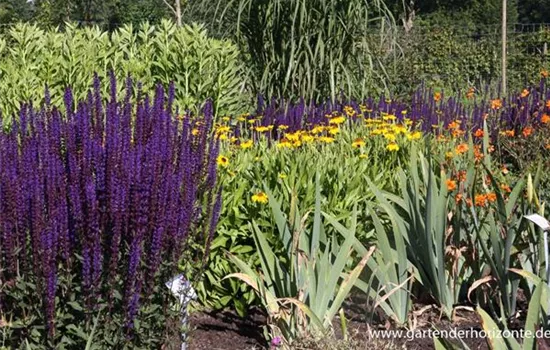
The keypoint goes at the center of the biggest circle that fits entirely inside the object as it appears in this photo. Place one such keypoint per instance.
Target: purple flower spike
(110, 192)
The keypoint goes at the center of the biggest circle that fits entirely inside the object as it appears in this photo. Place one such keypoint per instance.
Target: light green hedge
(200, 66)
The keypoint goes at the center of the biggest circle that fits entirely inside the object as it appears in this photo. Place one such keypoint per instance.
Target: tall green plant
(200, 67)
(303, 287)
(314, 48)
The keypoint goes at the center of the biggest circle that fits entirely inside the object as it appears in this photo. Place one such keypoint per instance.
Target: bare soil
(225, 330)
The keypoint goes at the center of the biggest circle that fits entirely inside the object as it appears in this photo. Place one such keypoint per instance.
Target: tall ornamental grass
(315, 48)
(99, 207)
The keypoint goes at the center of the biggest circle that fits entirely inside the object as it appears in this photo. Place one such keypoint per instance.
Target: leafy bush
(455, 59)
(200, 67)
(100, 207)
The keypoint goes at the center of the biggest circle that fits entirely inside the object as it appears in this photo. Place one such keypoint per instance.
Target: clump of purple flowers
(423, 109)
(109, 192)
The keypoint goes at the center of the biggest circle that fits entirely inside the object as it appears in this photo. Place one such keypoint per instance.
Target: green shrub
(201, 67)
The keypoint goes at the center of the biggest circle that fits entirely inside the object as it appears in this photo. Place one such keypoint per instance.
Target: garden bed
(226, 330)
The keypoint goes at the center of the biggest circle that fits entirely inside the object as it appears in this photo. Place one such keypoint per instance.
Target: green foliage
(78, 329)
(312, 49)
(201, 67)
(302, 287)
(499, 335)
(290, 173)
(442, 60)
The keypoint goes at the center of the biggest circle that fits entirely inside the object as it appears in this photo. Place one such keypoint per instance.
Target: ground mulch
(225, 330)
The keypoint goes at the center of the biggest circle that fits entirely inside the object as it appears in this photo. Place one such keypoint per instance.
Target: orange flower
(504, 170)
(462, 148)
(480, 200)
(544, 73)
(458, 198)
(496, 103)
(437, 96)
(508, 133)
(545, 119)
(527, 131)
(457, 133)
(470, 93)
(478, 133)
(492, 197)
(525, 93)
(451, 185)
(461, 176)
(505, 188)
(478, 155)
(469, 202)
(453, 125)
(548, 104)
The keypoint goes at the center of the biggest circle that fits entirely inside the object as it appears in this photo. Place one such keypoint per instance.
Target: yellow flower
(390, 137)
(333, 130)
(264, 128)
(326, 139)
(195, 132)
(226, 119)
(241, 119)
(358, 143)
(251, 121)
(223, 161)
(308, 138)
(379, 131)
(294, 136)
(317, 129)
(282, 127)
(297, 143)
(392, 147)
(337, 120)
(349, 111)
(260, 197)
(284, 143)
(389, 117)
(399, 129)
(282, 176)
(247, 144)
(363, 156)
(414, 136)
(223, 137)
(223, 129)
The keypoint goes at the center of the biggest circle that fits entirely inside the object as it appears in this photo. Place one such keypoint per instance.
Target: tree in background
(472, 14)
(109, 14)
(534, 11)
(14, 11)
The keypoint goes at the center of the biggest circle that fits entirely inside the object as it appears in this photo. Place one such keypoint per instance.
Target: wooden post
(504, 14)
